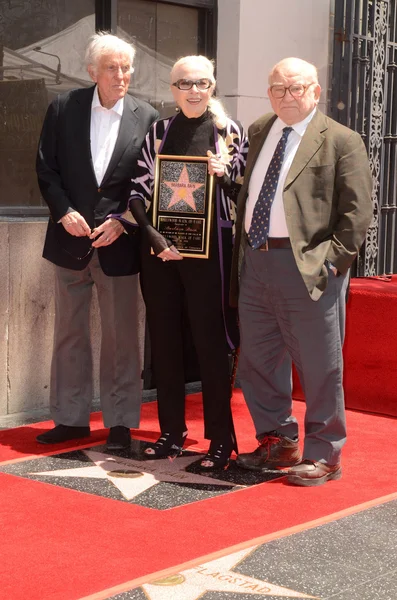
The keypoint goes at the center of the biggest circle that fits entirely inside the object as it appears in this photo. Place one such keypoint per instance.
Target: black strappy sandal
(169, 445)
(218, 456)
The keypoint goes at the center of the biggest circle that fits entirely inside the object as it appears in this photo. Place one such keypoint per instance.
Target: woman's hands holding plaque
(215, 164)
(162, 247)
(170, 253)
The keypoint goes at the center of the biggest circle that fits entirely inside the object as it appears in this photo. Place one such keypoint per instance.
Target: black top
(190, 137)
(193, 137)
(185, 137)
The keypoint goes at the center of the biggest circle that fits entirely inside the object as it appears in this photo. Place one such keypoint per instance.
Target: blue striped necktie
(259, 230)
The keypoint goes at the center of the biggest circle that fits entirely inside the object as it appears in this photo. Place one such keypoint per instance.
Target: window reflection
(161, 33)
(42, 47)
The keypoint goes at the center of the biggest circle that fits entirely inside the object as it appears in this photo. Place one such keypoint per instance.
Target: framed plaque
(182, 203)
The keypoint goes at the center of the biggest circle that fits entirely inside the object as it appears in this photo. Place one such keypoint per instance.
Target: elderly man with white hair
(87, 153)
(302, 215)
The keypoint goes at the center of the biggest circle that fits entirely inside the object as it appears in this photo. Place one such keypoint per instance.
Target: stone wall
(27, 318)
(253, 35)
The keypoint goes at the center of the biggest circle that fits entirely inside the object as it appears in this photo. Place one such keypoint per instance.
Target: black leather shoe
(274, 451)
(310, 472)
(62, 433)
(119, 438)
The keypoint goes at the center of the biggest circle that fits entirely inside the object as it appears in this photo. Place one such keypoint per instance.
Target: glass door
(161, 33)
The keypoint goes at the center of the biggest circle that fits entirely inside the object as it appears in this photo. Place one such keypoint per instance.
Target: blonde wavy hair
(215, 106)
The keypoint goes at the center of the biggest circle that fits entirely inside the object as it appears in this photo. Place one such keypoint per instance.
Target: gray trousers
(71, 368)
(280, 321)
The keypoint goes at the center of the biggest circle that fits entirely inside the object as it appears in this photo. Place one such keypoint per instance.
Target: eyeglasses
(85, 248)
(297, 90)
(79, 257)
(187, 84)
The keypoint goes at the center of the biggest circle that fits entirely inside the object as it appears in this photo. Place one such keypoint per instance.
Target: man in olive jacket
(302, 215)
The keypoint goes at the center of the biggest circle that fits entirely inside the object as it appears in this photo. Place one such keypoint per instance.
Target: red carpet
(370, 350)
(64, 545)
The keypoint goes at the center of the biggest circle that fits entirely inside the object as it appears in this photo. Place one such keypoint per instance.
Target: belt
(275, 244)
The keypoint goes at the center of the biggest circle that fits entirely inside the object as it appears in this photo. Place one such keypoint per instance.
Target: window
(42, 46)
(43, 49)
(161, 34)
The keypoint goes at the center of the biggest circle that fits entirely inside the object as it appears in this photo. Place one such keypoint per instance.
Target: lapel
(312, 139)
(83, 126)
(127, 135)
(255, 146)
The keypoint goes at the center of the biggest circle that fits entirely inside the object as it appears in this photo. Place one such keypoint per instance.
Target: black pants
(167, 287)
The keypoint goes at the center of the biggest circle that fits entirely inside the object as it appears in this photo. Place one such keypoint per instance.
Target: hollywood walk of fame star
(132, 477)
(215, 576)
(183, 190)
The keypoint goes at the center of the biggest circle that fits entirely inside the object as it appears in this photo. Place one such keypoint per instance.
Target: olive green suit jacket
(327, 200)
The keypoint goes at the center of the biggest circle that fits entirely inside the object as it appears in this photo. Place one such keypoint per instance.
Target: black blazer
(67, 179)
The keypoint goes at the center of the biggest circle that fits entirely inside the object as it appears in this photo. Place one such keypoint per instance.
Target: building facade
(41, 54)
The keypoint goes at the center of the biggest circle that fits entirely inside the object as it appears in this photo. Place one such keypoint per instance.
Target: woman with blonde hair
(170, 283)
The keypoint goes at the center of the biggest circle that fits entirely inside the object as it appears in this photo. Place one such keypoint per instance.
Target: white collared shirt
(105, 125)
(278, 225)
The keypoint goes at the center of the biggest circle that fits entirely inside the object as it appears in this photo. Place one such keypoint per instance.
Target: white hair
(295, 65)
(102, 43)
(215, 106)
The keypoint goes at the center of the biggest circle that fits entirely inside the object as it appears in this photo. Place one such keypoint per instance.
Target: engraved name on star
(139, 475)
(183, 189)
(216, 576)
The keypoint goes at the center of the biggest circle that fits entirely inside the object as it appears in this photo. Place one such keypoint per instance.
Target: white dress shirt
(105, 125)
(278, 225)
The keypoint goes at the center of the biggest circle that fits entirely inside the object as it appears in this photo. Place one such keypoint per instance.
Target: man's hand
(333, 269)
(75, 224)
(108, 232)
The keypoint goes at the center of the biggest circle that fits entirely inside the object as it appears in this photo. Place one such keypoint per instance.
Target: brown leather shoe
(311, 472)
(274, 451)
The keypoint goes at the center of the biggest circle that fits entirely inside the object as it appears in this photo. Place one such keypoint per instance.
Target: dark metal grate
(364, 97)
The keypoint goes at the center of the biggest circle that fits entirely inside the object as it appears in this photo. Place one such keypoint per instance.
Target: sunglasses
(79, 257)
(86, 249)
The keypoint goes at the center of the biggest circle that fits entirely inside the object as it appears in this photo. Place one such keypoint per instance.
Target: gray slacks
(71, 386)
(280, 321)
